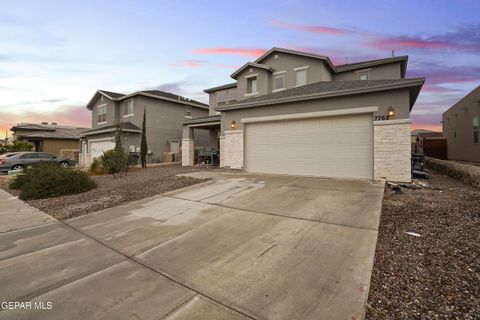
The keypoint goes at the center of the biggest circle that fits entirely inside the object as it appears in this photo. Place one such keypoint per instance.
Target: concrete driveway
(240, 246)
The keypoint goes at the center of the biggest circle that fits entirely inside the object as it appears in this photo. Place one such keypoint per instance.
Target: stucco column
(233, 149)
(392, 150)
(188, 152)
(222, 151)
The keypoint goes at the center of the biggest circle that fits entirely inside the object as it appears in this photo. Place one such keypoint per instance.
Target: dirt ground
(435, 275)
(110, 192)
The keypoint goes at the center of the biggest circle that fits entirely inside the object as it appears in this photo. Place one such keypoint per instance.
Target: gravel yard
(436, 275)
(110, 192)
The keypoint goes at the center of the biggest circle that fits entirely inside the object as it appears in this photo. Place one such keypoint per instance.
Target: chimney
(44, 122)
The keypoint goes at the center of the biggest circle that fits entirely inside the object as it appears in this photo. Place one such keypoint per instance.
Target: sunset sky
(54, 55)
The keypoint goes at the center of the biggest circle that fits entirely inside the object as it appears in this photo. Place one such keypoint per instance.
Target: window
(362, 75)
(102, 113)
(30, 156)
(221, 97)
(188, 112)
(252, 85)
(301, 77)
(128, 110)
(455, 131)
(279, 81)
(475, 129)
(45, 155)
(232, 94)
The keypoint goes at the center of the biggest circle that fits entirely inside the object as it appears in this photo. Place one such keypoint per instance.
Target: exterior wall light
(232, 125)
(391, 111)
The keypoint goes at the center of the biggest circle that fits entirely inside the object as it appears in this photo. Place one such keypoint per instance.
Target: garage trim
(306, 115)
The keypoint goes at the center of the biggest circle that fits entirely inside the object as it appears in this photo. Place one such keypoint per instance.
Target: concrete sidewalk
(237, 247)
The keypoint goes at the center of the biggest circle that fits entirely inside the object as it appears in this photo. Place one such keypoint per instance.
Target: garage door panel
(330, 147)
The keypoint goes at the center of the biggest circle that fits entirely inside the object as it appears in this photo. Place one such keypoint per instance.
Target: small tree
(116, 160)
(143, 143)
(20, 145)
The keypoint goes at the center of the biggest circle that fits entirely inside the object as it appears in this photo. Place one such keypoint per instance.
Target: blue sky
(55, 54)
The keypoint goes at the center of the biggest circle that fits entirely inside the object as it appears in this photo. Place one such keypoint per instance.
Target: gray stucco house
(461, 128)
(291, 112)
(165, 111)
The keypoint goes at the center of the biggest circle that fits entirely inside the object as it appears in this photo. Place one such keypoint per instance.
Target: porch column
(188, 153)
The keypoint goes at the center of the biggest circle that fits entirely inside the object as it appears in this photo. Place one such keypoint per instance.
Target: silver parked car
(21, 160)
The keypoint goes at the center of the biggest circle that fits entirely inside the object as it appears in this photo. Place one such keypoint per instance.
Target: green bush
(19, 181)
(20, 145)
(114, 161)
(96, 167)
(51, 180)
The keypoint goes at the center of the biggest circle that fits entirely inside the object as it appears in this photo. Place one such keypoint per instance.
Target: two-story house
(461, 128)
(165, 113)
(291, 112)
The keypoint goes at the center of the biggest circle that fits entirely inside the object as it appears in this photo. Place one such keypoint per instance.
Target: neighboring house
(293, 112)
(461, 126)
(50, 137)
(165, 113)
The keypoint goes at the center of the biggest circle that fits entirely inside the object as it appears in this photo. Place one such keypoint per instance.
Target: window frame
(249, 80)
(301, 69)
(125, 106)
(364, 72)
(104, 114)
(475, 129)
(278, 75)
(188, 112)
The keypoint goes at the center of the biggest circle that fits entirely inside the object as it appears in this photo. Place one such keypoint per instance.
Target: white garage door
(98, 147)
(339, 146)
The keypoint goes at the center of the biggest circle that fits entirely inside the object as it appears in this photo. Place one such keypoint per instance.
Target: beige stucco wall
(392, 150)
(263, 82)
(460, 115)
(53, 146)
(386, 71)
(398, 99)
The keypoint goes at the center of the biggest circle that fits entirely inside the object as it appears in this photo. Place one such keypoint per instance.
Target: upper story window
(232, 94)
(475, 129)
(221, 97)
(300, 76)
(279, 81)
(363, 75)
(128, 110)
(252, 85)
(188, 112)
(102, 113)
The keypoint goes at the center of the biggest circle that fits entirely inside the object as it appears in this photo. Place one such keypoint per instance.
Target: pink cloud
(244, 52)
(440, 73)
(464, 39)
(68, 115)
(311, 28)
(227, 66)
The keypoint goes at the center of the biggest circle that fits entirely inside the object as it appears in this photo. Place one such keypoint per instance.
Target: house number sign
(378, 118)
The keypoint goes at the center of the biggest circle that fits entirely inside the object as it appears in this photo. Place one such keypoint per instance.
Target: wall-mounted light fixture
(232, 125)
(391, 111)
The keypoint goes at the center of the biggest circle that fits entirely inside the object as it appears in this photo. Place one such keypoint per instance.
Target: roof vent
(54, 123)
(44, 122)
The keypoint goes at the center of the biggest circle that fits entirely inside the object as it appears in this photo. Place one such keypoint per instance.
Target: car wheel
(64, 164)
(17, 167)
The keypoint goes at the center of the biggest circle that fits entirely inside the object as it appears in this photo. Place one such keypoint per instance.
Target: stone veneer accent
(222, 151)
(233, 141)
(187, 152)
(392, 150)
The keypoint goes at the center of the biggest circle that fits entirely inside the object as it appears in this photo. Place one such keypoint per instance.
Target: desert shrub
(51, 180)
(114, 161)
(96, 167)
(20, 145)
(466, 173)
(19, 181)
